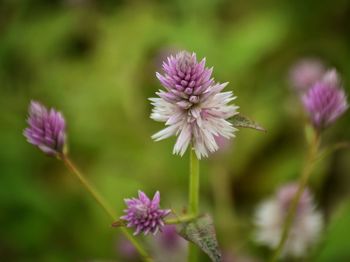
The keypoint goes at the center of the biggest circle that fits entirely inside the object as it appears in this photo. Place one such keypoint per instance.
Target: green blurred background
(96, 61)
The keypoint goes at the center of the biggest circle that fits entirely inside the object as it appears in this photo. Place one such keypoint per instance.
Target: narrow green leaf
(201, 232)
(242, 121)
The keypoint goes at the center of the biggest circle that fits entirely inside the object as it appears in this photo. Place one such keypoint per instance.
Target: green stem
(193, 201)
(307, 170)
(179, 220)
(99, 199)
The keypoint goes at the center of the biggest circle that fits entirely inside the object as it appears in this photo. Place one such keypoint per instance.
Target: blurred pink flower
(305, 73)
(270, 217)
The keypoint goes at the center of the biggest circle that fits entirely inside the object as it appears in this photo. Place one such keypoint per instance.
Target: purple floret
(46, 129)
(184, 79)
(144, 214)
(326, 101)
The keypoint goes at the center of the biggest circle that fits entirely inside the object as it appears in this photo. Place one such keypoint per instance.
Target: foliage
(95, 60)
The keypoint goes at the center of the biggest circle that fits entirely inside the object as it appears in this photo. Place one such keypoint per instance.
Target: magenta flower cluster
(46, 129)
(192, 105)
(144, 214)
(325, 101)
(185, 80)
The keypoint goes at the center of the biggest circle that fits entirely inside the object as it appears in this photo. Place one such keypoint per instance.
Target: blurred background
(95, 60)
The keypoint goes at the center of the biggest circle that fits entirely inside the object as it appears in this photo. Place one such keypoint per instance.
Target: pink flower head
(46, 129)
(192, 105)
(286, 194)
(271, 216)
(144, 214)
(305, 73)
(326, 101)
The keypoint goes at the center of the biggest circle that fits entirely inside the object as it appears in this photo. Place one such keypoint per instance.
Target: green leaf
(242, 121)
(201, 232)
(335, 246)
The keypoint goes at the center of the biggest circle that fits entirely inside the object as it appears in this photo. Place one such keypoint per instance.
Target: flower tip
(143, 196)
(156, 198)
(34, 103)
(158, 75)
(331, 77)
(225, 84)
(35, 107)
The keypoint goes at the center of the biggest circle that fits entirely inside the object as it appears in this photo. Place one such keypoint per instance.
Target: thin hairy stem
(193, 200)
(181, 219)
(101, 201)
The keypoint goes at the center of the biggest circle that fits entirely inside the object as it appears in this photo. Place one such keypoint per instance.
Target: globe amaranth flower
(192, 105)
(326, 101)
(271, 215)
(305, 73)
(46, 129)
(144, 214)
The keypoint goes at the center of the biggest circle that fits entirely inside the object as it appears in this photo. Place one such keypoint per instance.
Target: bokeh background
(96, 61)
